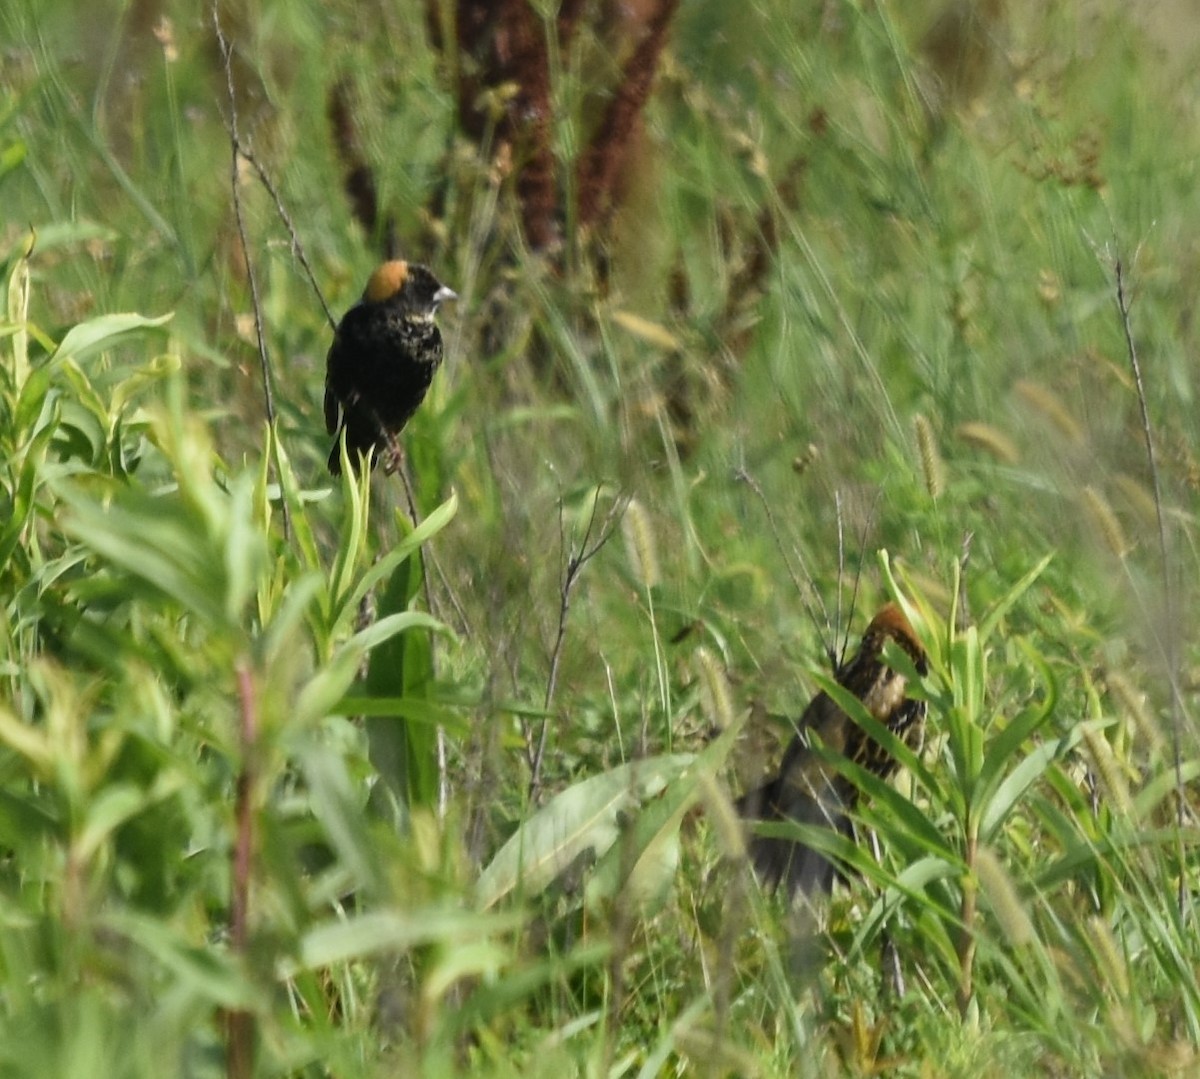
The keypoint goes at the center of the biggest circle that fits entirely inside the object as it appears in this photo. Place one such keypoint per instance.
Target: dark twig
(1167, 640)
(297, 247)
(234, 153)
(804, 591)
(843, 628)
(576, 561)
(398, 462)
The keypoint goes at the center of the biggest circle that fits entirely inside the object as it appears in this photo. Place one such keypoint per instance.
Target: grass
(841, 317)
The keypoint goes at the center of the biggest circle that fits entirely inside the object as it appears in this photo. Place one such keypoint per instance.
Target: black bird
(382, 360)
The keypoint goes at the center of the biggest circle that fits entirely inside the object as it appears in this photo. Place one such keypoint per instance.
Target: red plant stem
(966, 940)
(245, 819)
(240, 1024)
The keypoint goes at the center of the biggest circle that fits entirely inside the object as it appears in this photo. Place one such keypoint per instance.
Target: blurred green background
(857, 293)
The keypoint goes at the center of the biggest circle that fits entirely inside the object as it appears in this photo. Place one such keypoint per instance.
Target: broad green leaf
(302, 533)
(23, 822)
(329, 684)
(23, 500)
(344, 940)
(584, 819)
(412, 541)
(404, 755)
(356, 508)
(339, 808)
(149, 541)
(641, 865)
(97, 333)
(995, 810)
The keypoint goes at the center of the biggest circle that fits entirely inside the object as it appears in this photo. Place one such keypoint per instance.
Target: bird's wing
(332, 409)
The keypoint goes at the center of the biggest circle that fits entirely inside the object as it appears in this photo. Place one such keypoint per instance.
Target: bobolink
(808, 789)
(382, 360)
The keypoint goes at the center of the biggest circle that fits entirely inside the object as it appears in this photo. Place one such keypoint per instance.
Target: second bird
(808, 788)
(383, 358)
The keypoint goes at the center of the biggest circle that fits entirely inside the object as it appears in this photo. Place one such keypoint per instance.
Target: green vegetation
(267, 741)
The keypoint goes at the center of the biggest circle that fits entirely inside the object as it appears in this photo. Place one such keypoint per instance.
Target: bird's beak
(443, 294)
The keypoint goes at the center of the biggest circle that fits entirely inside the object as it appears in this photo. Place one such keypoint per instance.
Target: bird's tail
(789, 862)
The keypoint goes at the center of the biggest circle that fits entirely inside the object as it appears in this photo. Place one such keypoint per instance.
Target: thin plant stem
(235, 154)
(1167, 640)
(576, 561)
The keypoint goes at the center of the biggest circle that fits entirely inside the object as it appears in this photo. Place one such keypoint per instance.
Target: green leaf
(23, 500)
(909, 820)
(584, 819)
(338, 806)
(496, 997)
(641, 866)
(30, 742)
(11, 157)
(300, 594)
(1002, 606)
(347, 939)
(152, 541)
(18, 315)
(356, 503)
(201, 969)
(319, 696)
(1004, 776)
(112, 807)
(992, 812)
(98, 333)
(404, 754)
(413, 540)
(303, 538)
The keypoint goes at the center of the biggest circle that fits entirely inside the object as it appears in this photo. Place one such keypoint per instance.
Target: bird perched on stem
(808, 788)
(382, 360)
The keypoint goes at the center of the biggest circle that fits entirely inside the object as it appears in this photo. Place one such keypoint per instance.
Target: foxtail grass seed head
(1105, 522)
(931, 460)
(714, 689)
(983, 436)
(1108, 957)
(802, 460)
(1139, 500)
(639, 545)
(1049, 287)
(1001, 893)
(1108, 769)
(1044, 401)
(731, 835)
(1134, 704)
